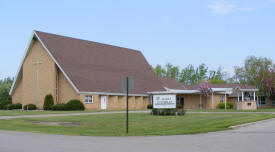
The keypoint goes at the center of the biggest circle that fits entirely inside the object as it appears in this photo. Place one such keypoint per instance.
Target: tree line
(191, 75)
(5, 86)
(257, 71)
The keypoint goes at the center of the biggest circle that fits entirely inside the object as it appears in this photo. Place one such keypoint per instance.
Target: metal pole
(225, 101)
(127, 110)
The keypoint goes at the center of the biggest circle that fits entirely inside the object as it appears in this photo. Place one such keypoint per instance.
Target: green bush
(13, 106)
(3, 104)
(221, 105)
(168, 112)
(229, 105)
(61, 106)
(181, 112)
(179, 106)
(48, 102)
(30, 107)
(149, 106)
(74, 105)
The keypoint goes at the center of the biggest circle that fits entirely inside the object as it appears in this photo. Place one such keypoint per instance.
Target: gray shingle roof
(96, 67)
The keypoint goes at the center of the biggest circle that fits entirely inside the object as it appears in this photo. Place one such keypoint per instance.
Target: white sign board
(164, 101)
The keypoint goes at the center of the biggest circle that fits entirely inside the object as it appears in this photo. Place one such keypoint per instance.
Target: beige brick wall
(17, 95)
(25, 91)
(116, 102)
(91, 106)
(247, 105)
(66, 91)
(47, 76)
(268, 103)
(192, 101)
(233, 100)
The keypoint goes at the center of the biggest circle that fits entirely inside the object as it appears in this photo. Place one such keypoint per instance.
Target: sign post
(127, 86)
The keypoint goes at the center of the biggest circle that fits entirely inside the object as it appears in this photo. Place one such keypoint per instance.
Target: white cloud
(223, 7)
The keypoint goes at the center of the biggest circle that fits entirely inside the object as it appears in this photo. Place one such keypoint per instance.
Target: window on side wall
(89, 99)
(221, 98)
(262, 100)
(273, 100)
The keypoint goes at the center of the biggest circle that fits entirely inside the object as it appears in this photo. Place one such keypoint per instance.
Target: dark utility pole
(127, 110)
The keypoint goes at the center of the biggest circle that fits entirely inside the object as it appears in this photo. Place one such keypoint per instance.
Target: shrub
(48, 102)
(3, 104)
(149, 106)
(74, 105)
(179, 106)
(221, 105)
(13, 106)
(181, 112)
(168, 112)
(30, 107)
(229, 105)
(61, 106)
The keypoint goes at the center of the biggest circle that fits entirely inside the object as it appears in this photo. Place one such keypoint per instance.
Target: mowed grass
(139, 124)
(41, 112)
(232, 110)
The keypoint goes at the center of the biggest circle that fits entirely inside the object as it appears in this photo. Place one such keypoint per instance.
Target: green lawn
(232, 110)
(140, 124)
(41, 112)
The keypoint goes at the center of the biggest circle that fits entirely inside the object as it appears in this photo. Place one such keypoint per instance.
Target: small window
(262, 100)
(182, 101)
(89, 99)
(221, 98)
(273, 102)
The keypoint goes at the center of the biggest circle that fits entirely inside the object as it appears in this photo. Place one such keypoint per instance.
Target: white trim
(249, 89)
(66, 76)
(112, 94)
(21, 64)
(173, 91)
(44, 46)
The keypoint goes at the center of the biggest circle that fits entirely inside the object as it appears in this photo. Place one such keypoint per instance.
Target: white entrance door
(103, 102)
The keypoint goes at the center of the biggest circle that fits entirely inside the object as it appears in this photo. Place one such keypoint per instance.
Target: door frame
(101, 98)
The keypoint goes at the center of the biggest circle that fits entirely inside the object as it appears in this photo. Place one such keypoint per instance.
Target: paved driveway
(259, 137)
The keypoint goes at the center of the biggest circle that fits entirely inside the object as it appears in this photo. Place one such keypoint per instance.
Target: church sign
(164, 101)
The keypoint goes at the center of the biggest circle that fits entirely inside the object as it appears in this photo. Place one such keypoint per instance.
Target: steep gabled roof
(171, 83)
(93, 67)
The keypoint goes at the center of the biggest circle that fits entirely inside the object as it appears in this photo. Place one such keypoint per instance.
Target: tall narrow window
(262, 100)
(221, 98)
(89, 99)
(273, 100)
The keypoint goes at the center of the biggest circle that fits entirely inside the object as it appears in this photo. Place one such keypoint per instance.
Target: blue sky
(215, 32)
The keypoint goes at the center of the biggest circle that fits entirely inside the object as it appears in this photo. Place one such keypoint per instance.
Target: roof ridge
(100, 43)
